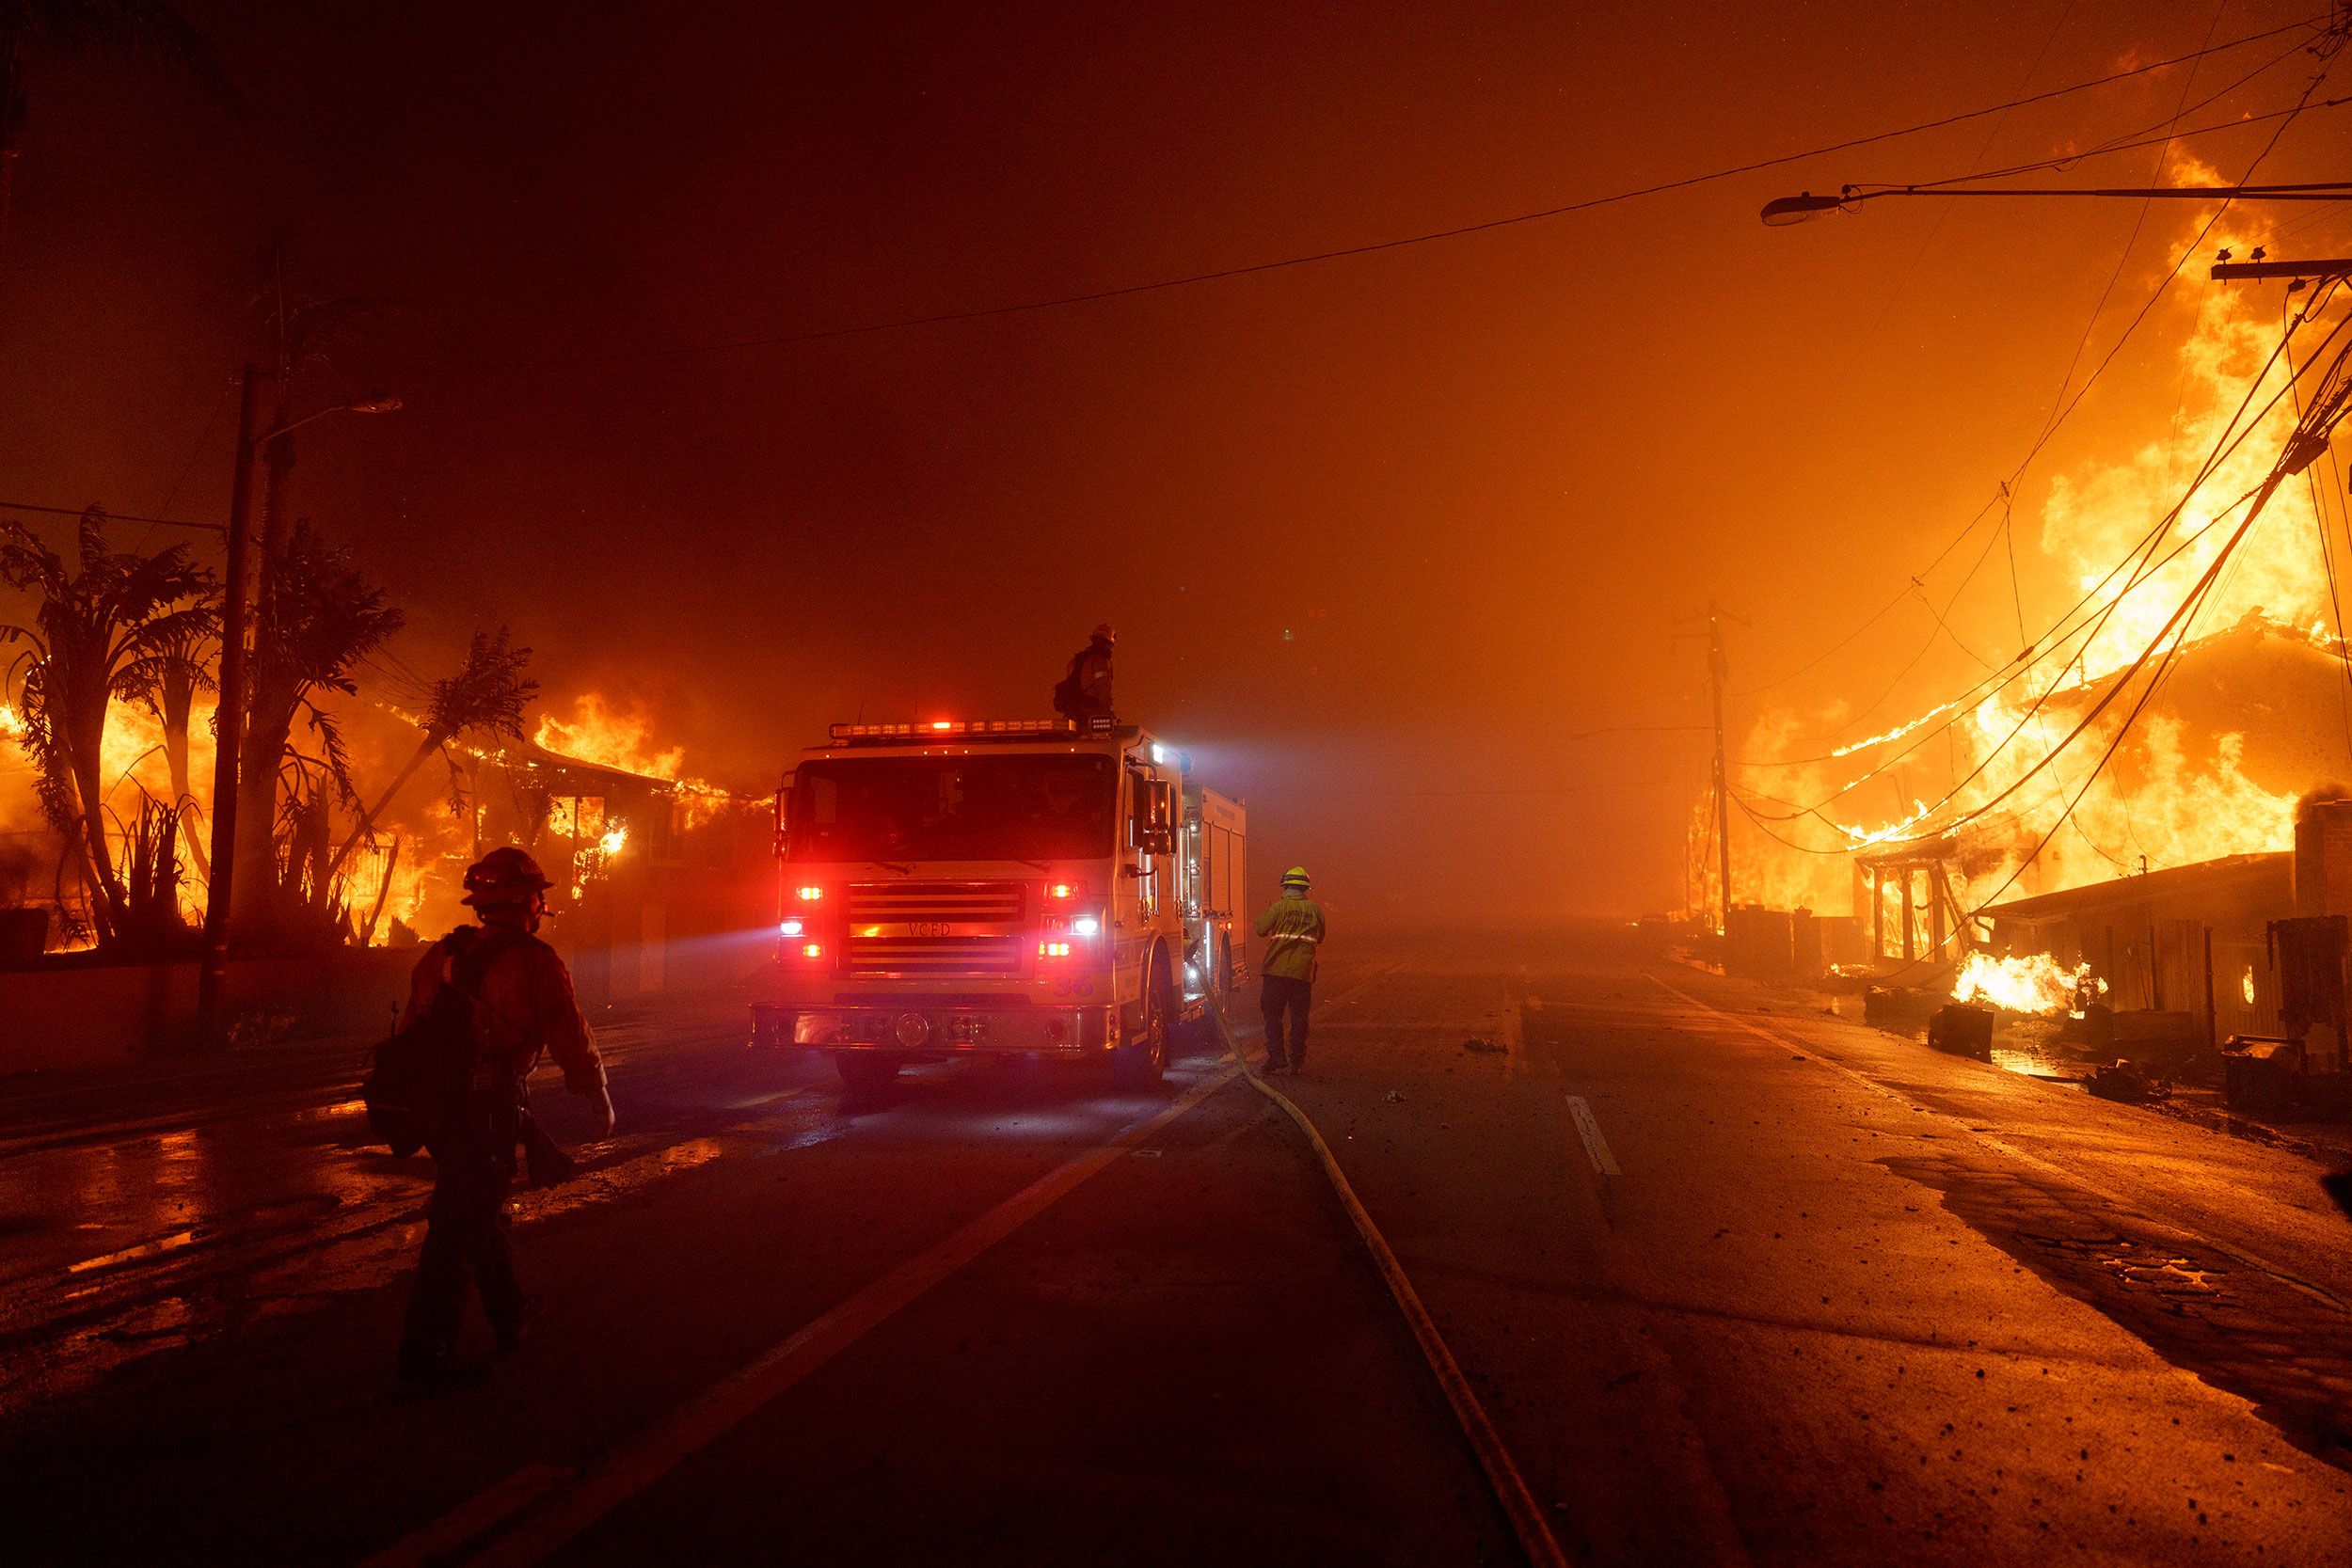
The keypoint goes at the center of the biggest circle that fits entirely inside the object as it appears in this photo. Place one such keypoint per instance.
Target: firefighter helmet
(506, 876)
(1103, 633)
(1294, 877)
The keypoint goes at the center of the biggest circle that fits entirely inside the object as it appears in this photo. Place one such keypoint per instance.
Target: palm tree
(487, 693)
(167, 682)
(145, 27)
(97, 619)
(320, 619)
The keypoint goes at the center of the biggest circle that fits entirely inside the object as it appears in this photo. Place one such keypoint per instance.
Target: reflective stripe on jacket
(1293, 927)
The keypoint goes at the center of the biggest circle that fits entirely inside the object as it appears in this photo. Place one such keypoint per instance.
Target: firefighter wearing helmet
(496, 984)
(1286, 977)
(1085, 693)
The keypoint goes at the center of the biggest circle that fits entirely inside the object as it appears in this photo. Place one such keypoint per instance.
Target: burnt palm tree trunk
(85, 731)
(176, 701)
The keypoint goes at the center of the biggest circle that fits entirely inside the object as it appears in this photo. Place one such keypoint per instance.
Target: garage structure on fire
(1045, 888)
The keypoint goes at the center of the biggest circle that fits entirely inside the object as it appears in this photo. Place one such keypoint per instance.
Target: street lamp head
(1801, 208)
(380, 402)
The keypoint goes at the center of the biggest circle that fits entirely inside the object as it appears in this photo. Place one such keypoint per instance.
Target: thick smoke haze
(1405, 546)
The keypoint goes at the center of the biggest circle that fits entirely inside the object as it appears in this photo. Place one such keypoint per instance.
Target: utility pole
(228, 718)
(228, 723)
(1717, 669)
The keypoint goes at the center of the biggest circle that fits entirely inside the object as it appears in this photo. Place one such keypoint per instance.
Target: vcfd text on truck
(1006, 888)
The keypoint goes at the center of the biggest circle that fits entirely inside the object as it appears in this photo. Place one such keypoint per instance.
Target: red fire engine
(999, 888)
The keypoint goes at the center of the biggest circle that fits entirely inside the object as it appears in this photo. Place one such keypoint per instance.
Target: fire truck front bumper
(917, 1032)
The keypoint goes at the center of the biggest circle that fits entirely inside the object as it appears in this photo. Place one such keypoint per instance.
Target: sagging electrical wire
(2332, 39)
(2309, 442)
(2233, 435)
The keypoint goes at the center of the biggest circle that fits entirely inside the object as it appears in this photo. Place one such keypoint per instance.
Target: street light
(228, 721)
(1804, 206)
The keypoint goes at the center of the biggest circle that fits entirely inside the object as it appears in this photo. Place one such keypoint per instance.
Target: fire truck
(1035, 889)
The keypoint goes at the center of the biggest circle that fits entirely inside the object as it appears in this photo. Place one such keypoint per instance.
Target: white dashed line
(1595, 1147)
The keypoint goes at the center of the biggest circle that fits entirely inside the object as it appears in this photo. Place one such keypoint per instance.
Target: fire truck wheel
(1140, 1064)
(865, 1074)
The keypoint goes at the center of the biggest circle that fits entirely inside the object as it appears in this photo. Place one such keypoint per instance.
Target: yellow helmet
(1294, 877)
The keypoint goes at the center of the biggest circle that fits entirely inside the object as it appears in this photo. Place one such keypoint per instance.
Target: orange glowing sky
(1382, 536)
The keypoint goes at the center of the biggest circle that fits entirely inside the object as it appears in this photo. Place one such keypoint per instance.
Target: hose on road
(1494, 1459)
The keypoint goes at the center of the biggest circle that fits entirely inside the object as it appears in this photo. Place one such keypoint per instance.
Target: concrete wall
(86, 1017)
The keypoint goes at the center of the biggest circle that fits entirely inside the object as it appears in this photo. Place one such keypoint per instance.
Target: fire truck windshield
(1006, 807)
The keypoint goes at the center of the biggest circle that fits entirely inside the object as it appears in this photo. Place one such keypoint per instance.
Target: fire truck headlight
(790, 929)
(1087, 926)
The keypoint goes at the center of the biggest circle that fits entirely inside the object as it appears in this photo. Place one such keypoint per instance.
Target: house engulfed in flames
(2078, 781)
(660, 880)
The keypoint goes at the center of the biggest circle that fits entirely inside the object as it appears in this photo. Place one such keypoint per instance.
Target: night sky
(1383, 536)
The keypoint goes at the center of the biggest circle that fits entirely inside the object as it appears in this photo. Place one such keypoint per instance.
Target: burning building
(2192, 682)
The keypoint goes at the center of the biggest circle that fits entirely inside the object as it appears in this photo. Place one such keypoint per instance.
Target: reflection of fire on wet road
(59, 1333)
(249, 1191)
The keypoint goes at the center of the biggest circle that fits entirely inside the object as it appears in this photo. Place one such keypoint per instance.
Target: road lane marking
(1501, 1471)
(638, 1465)
(1595, 1147)
(471, 1518)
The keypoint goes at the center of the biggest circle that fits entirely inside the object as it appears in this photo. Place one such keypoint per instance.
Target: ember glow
(2036, 984)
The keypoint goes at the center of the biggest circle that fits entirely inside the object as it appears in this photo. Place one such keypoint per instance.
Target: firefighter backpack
(421, 1074)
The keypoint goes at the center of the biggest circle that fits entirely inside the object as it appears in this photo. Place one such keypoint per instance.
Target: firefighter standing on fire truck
(521, 1002)
(1084, 692)
(1286, 977)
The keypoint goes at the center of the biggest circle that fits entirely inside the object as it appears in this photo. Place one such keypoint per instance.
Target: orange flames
(2036, 984)
(596, 733)
(2176, 791)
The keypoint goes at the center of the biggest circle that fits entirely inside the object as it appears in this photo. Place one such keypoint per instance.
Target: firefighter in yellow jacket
(1293, 931)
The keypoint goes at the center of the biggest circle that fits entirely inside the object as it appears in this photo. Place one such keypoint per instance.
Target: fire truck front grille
(928, 955)
(902, 903)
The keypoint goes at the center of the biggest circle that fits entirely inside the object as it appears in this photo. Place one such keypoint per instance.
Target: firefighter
(1286, 977)
(520, 996)
(1084, 692)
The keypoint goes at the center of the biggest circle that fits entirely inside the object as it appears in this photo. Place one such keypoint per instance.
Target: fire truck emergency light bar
(959, 729)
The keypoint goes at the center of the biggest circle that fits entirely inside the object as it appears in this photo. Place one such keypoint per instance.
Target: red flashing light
(1053, 949)
(1061, 890)
(812, 950)
(943, 724)
(808, 894)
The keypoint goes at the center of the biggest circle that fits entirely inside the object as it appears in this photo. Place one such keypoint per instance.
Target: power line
(2212, 462)
(2061, 634)
(1346, 252)
(108, 516)
(2067, 407)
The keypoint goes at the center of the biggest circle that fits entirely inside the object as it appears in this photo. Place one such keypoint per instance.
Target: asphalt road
(1733, 1280)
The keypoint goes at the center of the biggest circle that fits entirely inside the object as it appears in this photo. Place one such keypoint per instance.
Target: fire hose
(1494, 1459)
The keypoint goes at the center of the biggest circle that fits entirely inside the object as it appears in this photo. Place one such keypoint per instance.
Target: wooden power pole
(1717, 669)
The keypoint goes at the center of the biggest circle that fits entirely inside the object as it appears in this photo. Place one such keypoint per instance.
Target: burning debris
(2037, 985)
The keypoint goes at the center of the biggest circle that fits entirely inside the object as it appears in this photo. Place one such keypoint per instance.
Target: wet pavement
(1736, 1281)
